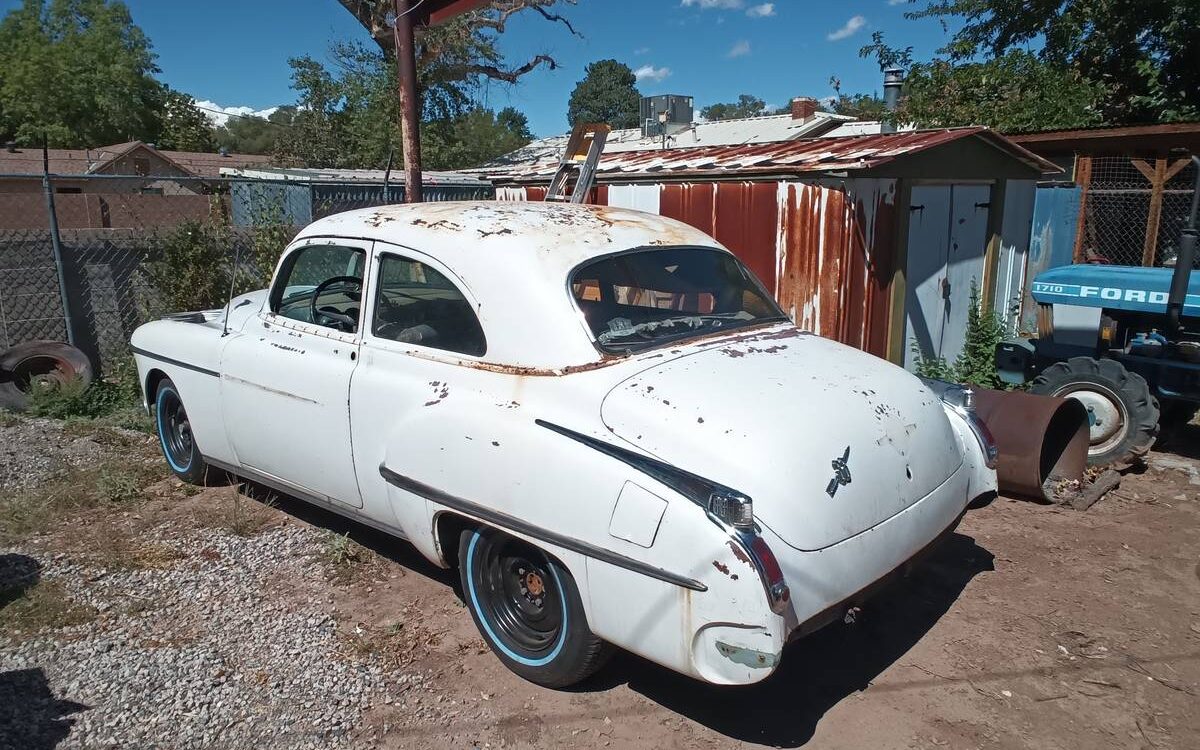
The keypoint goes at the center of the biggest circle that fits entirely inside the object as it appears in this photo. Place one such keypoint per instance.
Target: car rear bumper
(825, 583)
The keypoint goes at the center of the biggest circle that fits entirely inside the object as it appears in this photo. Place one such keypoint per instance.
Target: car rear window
(645, 298)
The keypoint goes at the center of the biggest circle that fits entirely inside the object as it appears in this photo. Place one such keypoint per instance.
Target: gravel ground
(34, 450)
(205, 650)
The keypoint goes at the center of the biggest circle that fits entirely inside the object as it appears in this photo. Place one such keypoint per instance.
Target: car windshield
(645, 298)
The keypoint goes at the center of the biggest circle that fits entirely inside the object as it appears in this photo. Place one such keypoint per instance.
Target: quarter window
(416, 304)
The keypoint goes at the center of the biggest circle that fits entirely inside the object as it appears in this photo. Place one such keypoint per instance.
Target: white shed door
(638, 197)
(947, 240)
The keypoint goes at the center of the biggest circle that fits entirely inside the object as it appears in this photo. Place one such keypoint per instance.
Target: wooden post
(1158, 181)
(991, 262)
(897, 309)
(410, 119)
(1083, 178)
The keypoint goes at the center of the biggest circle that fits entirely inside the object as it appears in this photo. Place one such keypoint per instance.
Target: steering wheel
(328, 313)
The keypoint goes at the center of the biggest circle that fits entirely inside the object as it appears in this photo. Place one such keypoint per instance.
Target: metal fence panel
(121, 236)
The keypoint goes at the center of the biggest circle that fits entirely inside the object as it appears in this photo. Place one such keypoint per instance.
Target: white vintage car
(598, 415)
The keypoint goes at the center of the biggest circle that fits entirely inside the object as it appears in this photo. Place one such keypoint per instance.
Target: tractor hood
(828, 441)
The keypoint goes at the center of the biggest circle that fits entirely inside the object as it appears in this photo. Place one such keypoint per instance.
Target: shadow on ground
(31, 717)
(820, 670)
(816, 673)
(387, 546)
(18, 574)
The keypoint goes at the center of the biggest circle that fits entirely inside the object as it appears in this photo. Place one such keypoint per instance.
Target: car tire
(33, 361)
(1122, 413)
(527, 608)
(175, 436)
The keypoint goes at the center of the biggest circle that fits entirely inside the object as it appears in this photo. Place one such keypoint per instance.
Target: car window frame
(402, 252)
(608, 353)
(270, 316)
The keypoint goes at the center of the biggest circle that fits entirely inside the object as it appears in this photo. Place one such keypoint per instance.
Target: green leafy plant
(189, 266)
(116, 395)
(976, 363)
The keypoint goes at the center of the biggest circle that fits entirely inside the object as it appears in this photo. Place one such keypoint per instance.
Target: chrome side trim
(694, 486)
(177, 363)
(512, 523)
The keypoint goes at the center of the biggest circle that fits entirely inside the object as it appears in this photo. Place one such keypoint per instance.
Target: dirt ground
(1031, 627)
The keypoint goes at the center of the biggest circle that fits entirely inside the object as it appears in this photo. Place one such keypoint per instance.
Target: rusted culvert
(1041, 440)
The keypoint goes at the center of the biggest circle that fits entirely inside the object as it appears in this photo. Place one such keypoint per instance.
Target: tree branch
(498, 74)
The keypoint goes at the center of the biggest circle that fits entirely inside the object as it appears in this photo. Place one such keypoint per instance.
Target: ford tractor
(1124, 341)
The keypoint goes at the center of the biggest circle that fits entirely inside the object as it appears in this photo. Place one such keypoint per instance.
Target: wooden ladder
(577, 169)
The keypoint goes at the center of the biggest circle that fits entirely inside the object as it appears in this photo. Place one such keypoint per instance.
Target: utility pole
(410, 116)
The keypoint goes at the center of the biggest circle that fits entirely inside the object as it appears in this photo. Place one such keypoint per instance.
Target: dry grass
(242, 511)
(24, 513)
(44, 605)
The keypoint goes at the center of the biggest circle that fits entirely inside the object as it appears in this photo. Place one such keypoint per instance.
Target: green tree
(1015, 92)
(745, 106)
(473, 138)
(182, 126)
(607, 93)
(78, 72)
(1141, 57)
(256, 135)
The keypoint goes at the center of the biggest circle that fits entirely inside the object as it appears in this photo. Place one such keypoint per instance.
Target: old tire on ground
(175, 435)
(1122, 413)
(25, 365)
(527, 608)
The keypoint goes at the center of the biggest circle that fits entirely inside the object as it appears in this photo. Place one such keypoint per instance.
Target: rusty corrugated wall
(825, 249)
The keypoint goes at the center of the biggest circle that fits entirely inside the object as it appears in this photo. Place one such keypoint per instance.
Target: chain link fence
(1134, 209)
(135, 248)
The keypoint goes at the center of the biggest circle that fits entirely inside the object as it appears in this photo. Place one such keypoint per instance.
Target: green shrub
(70, 399)
(190, 266)
(976, 364)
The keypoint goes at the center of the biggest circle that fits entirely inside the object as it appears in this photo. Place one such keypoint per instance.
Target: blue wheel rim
(174, 429)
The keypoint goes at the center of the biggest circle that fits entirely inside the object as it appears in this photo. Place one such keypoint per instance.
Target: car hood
(827, 440)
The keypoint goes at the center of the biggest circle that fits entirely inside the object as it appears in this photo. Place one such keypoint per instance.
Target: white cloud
(651, 73)
(218, 115)
(641, 50)
(850, 28)
(740, 49)
(706, 4)
(897, 2)
(764, 10)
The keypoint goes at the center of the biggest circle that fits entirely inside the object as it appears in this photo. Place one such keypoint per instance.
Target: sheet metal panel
(835, 249)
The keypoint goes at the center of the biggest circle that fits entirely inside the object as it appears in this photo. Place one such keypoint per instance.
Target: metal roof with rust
(820, 155)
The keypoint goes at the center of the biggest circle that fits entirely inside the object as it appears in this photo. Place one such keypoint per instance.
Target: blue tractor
(1124, 341)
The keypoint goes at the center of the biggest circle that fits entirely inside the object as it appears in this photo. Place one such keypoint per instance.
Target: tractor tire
(1122, 413)
(34, 361)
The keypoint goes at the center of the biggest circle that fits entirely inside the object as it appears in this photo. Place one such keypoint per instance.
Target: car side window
(321, 284)
(416, 304)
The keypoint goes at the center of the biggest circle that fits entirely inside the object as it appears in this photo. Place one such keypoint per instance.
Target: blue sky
(234, 52)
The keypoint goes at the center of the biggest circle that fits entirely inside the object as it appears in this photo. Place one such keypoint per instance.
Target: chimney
(803, 107)
(893, 81)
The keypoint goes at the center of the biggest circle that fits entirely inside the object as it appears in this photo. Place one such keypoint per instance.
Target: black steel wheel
(527, 608)
(1122, 413)
(175, 435)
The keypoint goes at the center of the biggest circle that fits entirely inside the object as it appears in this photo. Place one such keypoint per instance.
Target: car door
(285, 380)
(422, 327)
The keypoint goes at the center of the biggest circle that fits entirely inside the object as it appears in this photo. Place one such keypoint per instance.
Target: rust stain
(287, 348)
(738, 553)
(721, 566)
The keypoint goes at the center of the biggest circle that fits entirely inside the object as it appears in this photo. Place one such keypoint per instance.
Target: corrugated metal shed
(822, 155)
(822, 221)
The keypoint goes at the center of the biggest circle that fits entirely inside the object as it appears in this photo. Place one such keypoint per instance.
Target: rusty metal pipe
(1040, 439)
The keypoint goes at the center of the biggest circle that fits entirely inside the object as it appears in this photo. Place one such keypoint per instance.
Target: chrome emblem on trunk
(841, 473)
